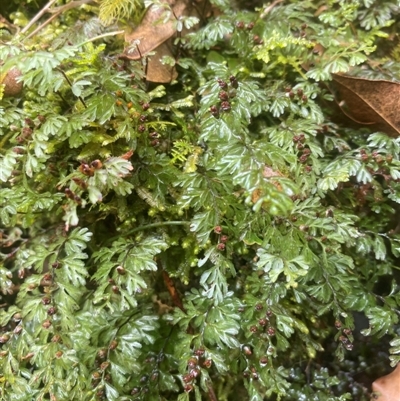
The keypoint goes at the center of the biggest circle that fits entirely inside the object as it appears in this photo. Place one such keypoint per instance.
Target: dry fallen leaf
(176, 298)
(12, 87)
(156, 70)
(157, 26)
(372, 102)
(155, 33)
(387, 388)
(127, 155)
(268, 172)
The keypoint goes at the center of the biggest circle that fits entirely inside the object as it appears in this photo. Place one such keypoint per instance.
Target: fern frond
(176, 104)
(111, 10)
(193, 160)
(90, 54)
(180, 150)
(148, 197)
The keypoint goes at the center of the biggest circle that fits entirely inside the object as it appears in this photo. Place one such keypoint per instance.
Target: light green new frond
(278, 41)
(111, 10)
(180, 150)
(90, 54)
(184, 151)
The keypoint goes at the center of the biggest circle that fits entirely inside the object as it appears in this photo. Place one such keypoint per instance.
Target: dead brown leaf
(268, 172)
(372, 102)
(156, 70)
(256, 195)
(127, 155)
(387, 388)
(176, 298)
(157, 26)
(155, 34)
(12, 87)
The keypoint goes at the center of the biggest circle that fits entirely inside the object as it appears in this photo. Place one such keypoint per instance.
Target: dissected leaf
(372, 102)
(235, 226)
(387, 388)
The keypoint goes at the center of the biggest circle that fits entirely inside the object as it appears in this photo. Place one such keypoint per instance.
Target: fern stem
(104, 35)
(269, 8)
(152, 225)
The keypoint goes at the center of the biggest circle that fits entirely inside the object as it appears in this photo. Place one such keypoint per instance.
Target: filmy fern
(226, 236)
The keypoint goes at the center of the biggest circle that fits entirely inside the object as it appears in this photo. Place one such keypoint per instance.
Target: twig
(55, 11)
(8, 24)
(104, 35)
(152, 225)
(43, 11)
(14, 251)
(211, 392)
(70, 84)
(40, 27)
(269, 8)
(70, 5)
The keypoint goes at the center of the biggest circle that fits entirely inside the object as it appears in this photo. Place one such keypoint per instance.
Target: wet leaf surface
(371, 102)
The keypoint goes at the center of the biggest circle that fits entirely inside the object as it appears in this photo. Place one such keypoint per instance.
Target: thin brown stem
(211, 393)
(43, 11)
(40, 27)
(268, 9)
(14, 251)
(72, 4)
(70, 84)
(103, 35)
(57, 11)
(8, 24)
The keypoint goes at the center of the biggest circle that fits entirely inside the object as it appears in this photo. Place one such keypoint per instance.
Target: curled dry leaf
(372, 102)
(176, 299)
(156, 33)
(12, 87)
(387, 388)
(127, 155)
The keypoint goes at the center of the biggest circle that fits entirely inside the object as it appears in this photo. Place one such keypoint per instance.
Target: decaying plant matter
(158, 31)
(9, 79)
(387, 388)
(362, 99)
(186, 213)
